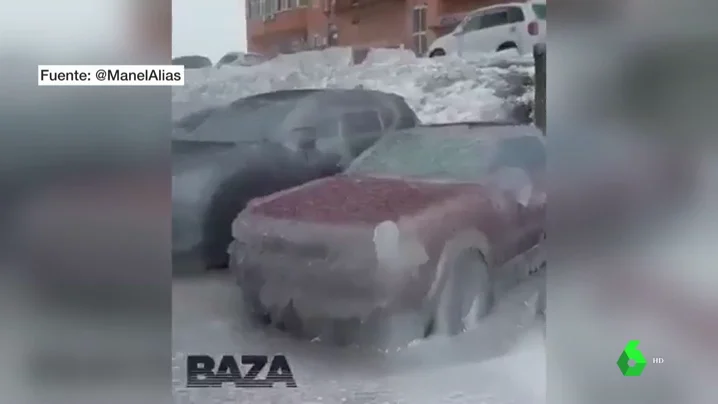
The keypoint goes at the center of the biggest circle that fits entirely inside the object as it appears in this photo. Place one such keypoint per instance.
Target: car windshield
(430, 156)
(540, 11)
(247, 120)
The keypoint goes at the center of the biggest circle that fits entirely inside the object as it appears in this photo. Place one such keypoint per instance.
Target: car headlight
(396, 250)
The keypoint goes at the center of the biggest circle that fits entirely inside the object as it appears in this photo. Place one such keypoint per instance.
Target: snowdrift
(476, 87)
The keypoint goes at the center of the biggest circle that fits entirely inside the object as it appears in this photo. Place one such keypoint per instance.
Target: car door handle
(513, 29)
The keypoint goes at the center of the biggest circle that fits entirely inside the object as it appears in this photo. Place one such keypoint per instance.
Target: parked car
(225, 156)
(433, 221)
(517, 25)
(241, 59)
(192, 62)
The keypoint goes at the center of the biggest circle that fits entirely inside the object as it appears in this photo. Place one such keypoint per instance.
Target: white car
(517, 25)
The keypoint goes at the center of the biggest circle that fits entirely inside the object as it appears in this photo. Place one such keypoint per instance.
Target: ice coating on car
(396, 250)
(343, 246)
(516, 182)
(346, 199)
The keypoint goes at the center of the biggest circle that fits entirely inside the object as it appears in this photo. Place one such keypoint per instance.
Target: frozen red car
(436, 221)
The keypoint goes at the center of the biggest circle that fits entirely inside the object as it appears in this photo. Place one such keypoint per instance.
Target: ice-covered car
(224, 156)
(433, 222)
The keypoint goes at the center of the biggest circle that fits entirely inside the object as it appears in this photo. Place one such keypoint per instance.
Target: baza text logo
(202, 372)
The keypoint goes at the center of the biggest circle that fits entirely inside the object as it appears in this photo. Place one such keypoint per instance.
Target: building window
(303, 3)
(319, 41)
(269, 7)
(418, 19)
(253, 9)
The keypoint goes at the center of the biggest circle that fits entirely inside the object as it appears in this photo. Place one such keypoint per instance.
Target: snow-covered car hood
(345, 199)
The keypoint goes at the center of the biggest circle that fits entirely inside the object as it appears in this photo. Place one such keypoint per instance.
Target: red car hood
(357, 200)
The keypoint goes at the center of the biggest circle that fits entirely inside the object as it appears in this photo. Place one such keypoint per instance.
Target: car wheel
(437, 53)
(465, 297)
(218, 234)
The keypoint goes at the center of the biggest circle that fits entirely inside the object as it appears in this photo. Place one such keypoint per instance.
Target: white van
(517, 25)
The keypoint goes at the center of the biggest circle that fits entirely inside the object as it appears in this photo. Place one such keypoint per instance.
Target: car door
(469, 36)
(488, 30)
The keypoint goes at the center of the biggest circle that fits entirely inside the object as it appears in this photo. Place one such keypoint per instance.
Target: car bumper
(322, 288)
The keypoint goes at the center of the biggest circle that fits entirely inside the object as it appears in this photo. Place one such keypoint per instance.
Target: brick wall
(385, 23)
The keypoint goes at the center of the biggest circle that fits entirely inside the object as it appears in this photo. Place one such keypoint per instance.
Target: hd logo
(242, 371)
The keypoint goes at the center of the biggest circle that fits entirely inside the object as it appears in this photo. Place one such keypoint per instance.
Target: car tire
(465, 295)
(437, 53)
(217, 235)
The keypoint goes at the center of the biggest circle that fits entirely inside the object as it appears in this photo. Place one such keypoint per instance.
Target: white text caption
(113, 75)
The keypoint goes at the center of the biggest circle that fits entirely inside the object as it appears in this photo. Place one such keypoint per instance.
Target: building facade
(285, 26)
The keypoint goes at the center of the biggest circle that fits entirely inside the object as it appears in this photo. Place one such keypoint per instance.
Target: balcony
(285, 21)
(343, 6)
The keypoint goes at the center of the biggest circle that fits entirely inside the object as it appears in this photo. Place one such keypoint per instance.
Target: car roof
(501, 5)
(191, 121)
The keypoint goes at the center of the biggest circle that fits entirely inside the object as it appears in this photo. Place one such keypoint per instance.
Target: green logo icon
(631, 353)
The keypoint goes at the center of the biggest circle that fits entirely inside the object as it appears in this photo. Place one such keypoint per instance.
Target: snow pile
(450, 89)
(389, 56)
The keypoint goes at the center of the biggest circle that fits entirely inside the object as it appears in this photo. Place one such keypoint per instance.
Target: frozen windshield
(433, 156)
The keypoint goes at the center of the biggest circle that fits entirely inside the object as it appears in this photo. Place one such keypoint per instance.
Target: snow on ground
(450, 89)
(501, 362)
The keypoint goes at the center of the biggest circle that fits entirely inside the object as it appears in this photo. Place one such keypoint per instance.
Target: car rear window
(540, 11)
